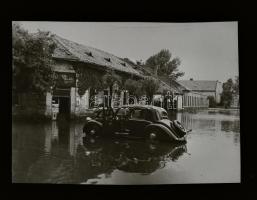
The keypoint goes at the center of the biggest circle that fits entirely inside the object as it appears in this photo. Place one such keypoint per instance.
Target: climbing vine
(88, 78)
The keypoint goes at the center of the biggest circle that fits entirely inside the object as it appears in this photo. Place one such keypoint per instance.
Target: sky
(208, 50)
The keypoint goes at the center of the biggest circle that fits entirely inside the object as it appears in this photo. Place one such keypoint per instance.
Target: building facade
(70, 58)
(204, 87)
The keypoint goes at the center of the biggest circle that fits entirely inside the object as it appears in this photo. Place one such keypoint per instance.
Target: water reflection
(131, 156)
(59, 153)
(68, 157)
(228, 126)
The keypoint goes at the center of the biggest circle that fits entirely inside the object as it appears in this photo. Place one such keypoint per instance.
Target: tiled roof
(199, 85)
(67, 49)
(175, 85)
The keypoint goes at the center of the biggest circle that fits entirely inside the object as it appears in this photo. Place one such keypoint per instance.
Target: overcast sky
(208, 51)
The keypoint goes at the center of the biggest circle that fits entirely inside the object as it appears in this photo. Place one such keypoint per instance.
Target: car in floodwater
(135, 121)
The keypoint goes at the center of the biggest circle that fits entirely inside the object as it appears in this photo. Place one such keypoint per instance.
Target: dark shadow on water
(228, 126)
(131, 156)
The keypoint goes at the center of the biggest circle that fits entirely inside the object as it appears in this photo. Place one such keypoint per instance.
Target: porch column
(48, 111)
(72, 101)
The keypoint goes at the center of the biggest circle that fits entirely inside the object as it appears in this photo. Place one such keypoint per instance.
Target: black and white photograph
(125, 103)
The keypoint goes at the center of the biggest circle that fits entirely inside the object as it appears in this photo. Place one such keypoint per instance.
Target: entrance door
(64, 108)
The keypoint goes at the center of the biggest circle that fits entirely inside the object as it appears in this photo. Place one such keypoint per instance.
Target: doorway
(64, 108)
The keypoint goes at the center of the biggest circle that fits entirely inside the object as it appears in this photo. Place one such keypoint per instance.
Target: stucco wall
(79, 104)
(218, 92)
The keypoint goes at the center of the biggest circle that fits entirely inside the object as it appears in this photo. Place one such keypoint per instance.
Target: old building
(185, 97)
(204, 87)
(70, 58)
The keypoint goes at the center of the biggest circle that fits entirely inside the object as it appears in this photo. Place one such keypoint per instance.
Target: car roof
(145, 107)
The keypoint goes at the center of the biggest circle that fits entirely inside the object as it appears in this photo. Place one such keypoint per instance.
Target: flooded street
(58, 153)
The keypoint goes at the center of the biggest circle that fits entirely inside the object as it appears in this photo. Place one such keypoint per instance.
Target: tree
(88, 78)
(150, 86)
(226, 95)
(32, 60)
(162, 64)
(134, 87)
(236, 85)
(108, 80)
(212, 102)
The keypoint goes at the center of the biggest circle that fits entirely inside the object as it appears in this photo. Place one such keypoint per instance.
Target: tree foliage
(109, 80)
(32, 60)
(227, 92)
(134, 87)
(162, 64)
(212, 102)
(88, 78)
(236, 85)
(150, 86)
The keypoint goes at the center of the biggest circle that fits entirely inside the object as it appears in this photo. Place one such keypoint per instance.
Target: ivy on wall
(88, 78)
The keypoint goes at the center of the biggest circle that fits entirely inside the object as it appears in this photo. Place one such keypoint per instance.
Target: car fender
(92, 122)
(164, 129)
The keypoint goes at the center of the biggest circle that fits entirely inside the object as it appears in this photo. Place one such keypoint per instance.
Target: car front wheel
(156, 134)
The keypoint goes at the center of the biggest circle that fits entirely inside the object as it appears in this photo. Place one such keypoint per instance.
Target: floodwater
(57, 153)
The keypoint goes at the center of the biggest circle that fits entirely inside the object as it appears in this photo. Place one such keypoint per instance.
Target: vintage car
(136, 121)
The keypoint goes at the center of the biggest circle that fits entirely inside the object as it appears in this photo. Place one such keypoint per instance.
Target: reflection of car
(130, 155)
(137, 121)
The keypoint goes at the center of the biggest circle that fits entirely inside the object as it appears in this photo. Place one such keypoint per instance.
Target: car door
(137, 121)
(119, 121)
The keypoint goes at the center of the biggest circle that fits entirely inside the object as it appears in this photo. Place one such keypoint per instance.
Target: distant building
(185, 97)
(204, 87)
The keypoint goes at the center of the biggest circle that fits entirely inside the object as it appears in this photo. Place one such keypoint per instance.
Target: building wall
(180, 102)
(218, 92)
(79, 104)
(194, 100)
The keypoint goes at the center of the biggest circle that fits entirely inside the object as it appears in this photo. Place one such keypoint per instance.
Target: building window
(89, 54)
(108, 59)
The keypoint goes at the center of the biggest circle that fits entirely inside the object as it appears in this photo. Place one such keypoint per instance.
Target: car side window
(137, 114)
(148, 115)
(122, 112)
